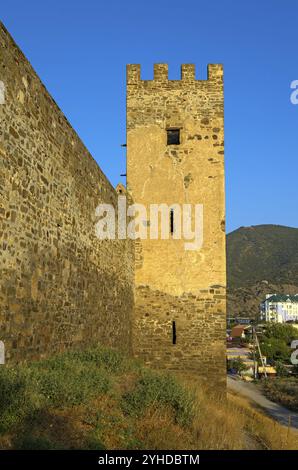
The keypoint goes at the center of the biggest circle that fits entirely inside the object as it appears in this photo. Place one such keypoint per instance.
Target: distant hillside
(260, 259)
(262, 252)
(245, 301)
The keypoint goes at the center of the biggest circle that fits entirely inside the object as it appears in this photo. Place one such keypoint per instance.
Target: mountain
(261, 259)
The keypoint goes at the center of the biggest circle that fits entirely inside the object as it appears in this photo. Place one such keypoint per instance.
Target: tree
(237, 364)
(275, 349)
(282, 331)
(281, 370)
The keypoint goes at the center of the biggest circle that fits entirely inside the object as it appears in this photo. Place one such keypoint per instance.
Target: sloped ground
(99, 399)
(281, 414)
(284, 390)
(245, 301)
(262, 252)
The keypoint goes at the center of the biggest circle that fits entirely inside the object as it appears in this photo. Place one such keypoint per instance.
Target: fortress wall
(60, 286)
(199, 330)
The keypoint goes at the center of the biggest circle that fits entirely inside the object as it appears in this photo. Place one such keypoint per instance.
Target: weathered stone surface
(174, 285)
(199, 323)
(60, 286)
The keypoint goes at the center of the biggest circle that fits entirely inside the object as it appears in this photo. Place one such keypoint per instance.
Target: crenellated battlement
(188, 74)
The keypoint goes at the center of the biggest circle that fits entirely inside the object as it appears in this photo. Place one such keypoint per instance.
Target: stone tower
(175, 155)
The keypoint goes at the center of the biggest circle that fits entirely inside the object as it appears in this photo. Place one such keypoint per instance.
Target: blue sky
(80, 49)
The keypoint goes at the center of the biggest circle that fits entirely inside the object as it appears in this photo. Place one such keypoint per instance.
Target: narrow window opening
(174, 336)
(172, 221)
(173, 136)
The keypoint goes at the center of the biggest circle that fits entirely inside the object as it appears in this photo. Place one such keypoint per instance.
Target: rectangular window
(174, 336)
(173, 136)
(172, 221)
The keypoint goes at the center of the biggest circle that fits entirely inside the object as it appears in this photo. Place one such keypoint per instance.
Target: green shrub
(63, 380)
(15, 401)
(237, 364)
(159, 389)
(281, 370)
(284, 391)
(281, 331)
(36, 443)
(275, 349)
(110, 359)
(93, 443)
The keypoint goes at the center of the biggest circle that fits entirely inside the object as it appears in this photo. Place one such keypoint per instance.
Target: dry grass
(158, 431)
(126, 407)
(266, 432)
(283, 390)
(234, 423)
(231, 424)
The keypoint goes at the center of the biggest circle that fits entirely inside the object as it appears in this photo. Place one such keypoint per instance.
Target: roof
(238, 330)
(282, 298)
(121, 189)
(268, 369)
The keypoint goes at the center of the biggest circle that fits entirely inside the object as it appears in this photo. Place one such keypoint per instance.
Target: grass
(99, 399)
(284, 391)
(163, 391)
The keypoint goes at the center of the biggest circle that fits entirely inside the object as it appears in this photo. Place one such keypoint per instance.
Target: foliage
(153, 388)
(262, 252)
(282, 331)
(68, 382)
(275, 349)
(15, 401)
(276, 340)
(111, 360)
(237, 364)
(99, 399)
(64, 380)
(284, 391)
(281, 370)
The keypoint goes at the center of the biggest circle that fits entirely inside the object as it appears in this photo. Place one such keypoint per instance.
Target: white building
(279, 308)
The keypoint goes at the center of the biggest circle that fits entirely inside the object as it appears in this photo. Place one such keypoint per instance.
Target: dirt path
(276, 411)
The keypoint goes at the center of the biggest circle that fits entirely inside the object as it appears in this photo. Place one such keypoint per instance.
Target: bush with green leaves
(275, 349)
(281, 331)
(281, 369)
(64, 380)
(31, 394)
(158, 388)
(111, 360)
(276, 340)
(15, 401)
(237, 364)
(284, 391)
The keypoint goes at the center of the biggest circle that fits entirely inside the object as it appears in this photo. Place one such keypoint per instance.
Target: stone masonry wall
(60, 286)
(174, 284)
(199, 323)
